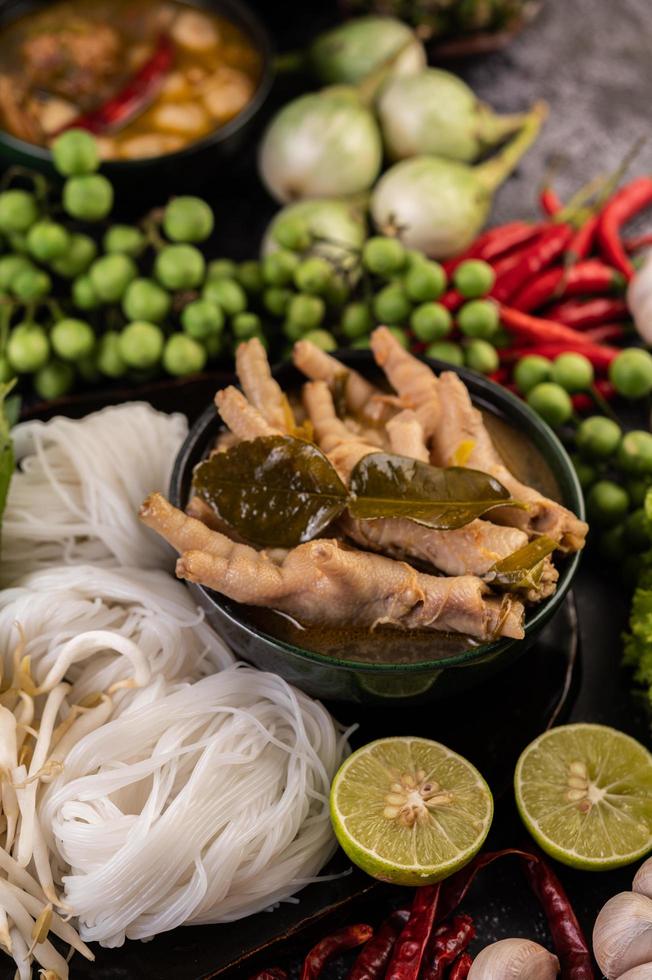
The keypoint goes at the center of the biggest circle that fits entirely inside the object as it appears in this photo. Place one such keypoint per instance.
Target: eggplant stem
(493, 172)
(494, 127)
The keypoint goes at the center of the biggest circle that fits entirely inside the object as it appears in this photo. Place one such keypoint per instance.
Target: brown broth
(74, 56)
(390, 644)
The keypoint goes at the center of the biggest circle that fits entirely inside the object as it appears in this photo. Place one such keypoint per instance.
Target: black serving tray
(490, 726)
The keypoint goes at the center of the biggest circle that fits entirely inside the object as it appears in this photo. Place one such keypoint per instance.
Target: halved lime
(585, 794)
(410, 811)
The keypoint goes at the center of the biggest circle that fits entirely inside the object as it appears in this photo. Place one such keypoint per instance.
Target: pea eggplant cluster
(82, 301)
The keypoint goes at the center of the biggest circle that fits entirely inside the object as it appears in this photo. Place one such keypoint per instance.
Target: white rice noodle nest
(80, 483)
(205, 805)
(52, 615)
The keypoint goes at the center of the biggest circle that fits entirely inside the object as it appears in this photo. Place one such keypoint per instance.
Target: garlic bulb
(639, 299)
(622, 936)
(514, 959)
(643, 880)
(642, 972)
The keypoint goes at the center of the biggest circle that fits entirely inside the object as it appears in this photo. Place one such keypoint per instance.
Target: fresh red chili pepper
(640, 241)
(600, 355)
(582, 242)
(627, 202)
(511, 237)
(606, 333)
(372, 961)
(461, 967)
(549, 201)
(570, 943)
(136, 94)
(452, 300)
(536, 330)
(274, 973)
(548, 247)
(410, 946)
(590, 276)
(329, 947)
(585, 313)
(584, 402)
(500, 376)
(448, 945)
(492, 243)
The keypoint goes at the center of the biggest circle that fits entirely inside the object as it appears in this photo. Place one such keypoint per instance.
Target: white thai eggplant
(337, 228)
(354, 50)
(435, 113)
(438, 206)
(325, 144)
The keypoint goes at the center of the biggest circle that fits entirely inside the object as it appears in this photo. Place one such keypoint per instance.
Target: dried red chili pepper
(274, 973)
(461, 967)
(329, 947)
(582, 314)
(550, 202)
(136, 94)
(566, 932)
(372, 961)
(410, 947)
(590, 276)
(548, 247)
(570, 943)
(600, 355)
(448, 945)
(627, 202)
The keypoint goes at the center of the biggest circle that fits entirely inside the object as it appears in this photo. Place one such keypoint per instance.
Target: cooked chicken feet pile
(328, 581)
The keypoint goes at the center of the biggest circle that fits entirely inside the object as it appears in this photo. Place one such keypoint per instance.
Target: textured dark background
(592, 61)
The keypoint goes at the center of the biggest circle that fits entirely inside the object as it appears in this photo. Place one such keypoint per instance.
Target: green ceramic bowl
(346, 678)
(150, 177)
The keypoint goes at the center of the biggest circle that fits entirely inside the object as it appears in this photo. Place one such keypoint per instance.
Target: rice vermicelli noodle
(76, 495)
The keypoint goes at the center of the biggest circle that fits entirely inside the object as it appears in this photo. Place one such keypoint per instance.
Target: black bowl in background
(145, 180)
(336, 678)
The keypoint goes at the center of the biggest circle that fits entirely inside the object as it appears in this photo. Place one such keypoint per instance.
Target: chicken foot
(362, 398)
(323, 582)
(472, 549)
(444, 408)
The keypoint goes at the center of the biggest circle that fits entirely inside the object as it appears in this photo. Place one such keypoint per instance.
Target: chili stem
(604, 406)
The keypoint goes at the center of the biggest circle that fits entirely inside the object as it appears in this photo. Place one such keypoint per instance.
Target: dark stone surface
(590, 59)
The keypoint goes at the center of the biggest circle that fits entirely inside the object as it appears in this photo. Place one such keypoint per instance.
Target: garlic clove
(643, 880)
(642, 972)
(639, 298)
(622, 936)
(514, 959)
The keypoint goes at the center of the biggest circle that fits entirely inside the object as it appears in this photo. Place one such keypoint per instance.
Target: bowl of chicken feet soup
(372, 524)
